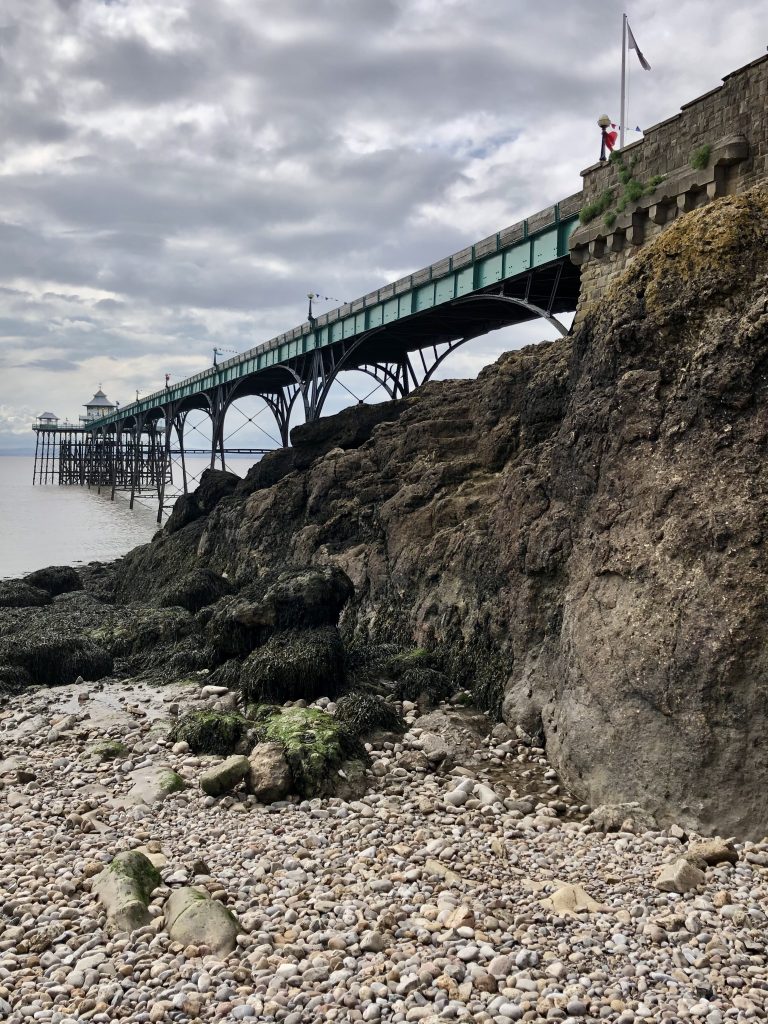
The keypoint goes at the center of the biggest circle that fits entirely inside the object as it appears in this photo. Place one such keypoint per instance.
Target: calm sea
(51, 525)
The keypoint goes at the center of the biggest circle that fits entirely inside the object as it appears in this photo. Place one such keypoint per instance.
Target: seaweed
(195, 590)
(20, 594)
(59, 660)
(294, 664)
(13, 679)
(363, 713)
(210, 732)
(55, 579)
(109, 750)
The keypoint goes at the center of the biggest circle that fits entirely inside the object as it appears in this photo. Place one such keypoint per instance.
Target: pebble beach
(479, 892)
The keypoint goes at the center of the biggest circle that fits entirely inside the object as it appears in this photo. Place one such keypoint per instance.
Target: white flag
(633, 46)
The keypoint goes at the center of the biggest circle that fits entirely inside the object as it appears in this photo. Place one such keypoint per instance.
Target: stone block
(679, 876)
(192, 918)
(224, 776)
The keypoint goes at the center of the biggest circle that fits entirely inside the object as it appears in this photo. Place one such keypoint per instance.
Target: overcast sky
(179, 174)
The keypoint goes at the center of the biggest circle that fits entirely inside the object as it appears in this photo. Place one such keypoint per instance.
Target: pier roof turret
(99, 401)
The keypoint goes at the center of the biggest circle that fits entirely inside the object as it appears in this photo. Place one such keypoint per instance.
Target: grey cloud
(188, 189)
(132, 71)
(56, 365)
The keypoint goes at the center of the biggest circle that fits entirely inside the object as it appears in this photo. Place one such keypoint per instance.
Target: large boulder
(215, 484)
(298, 599)
(55, 579)
(348, 429)
(125, 887)
(195, 590)
(314, 744)
(304, 598)
(269, 778)
(185, 511)
(192, 918)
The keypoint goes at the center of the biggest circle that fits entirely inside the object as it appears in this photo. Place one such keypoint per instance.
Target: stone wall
(732, 120)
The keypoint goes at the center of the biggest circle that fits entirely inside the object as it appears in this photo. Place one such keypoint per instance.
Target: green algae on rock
(125, 887)
(315, 746)
(109, 750)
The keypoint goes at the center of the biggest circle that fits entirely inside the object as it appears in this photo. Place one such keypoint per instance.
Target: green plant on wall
(632, 189)
(596, 207)
(700, 157)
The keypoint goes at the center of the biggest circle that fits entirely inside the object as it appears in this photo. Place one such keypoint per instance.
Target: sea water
(50, 525)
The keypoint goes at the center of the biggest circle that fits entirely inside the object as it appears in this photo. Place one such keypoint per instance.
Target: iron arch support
(383, 376)
(325, 367)
(530, 307)
(280, 404)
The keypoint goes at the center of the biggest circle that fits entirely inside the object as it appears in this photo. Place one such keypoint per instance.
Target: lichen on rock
(108, 750)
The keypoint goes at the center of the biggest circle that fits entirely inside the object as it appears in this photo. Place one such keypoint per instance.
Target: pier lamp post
(604, 123)
(310, 318)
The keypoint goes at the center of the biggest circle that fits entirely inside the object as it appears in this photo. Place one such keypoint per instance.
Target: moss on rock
(109, 750)
(363, 713)
(138, 870)
(315, 745)
(172, 782)
(297, 664)
(210, 732)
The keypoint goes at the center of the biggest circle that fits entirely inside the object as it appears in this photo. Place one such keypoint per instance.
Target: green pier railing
(509, 253)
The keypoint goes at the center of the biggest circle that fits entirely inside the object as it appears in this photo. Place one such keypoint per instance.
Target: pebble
(420, 901)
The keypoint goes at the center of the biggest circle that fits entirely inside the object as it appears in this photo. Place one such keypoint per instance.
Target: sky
(177, 176)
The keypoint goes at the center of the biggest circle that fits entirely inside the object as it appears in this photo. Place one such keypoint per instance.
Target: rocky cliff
(581, 530)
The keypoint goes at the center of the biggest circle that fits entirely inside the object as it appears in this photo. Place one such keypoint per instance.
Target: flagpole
(623, 80)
